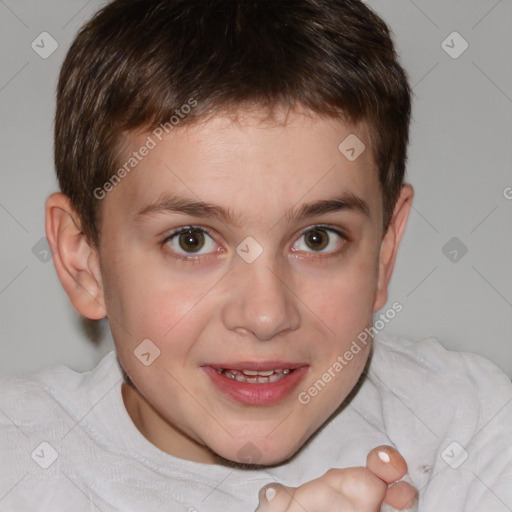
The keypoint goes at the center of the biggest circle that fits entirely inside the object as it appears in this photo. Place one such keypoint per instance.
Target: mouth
(256, 384)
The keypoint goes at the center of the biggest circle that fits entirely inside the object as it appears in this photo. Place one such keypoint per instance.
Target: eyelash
(199, 258)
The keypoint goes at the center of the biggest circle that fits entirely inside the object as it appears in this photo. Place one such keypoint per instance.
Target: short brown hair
(138, 61)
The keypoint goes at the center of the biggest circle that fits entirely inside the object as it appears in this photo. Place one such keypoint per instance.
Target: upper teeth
(252, 373)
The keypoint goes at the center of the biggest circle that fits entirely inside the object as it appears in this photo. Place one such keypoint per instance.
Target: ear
(390, 243)
(76, 261)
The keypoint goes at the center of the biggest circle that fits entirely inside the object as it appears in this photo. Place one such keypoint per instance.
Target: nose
(261, 300)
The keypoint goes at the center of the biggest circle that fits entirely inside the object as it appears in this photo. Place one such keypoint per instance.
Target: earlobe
(76, 261)
(390, 244)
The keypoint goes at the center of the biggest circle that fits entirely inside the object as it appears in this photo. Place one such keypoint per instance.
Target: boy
(203, 150)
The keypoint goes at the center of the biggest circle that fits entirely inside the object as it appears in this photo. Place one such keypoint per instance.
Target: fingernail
(384, 457)
(270, 493)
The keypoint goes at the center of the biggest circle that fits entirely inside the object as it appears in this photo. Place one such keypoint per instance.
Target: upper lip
(257, 366)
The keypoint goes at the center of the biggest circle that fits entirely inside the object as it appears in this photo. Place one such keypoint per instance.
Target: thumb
(275, 497)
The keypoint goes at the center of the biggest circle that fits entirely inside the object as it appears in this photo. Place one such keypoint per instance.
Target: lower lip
(257, 394)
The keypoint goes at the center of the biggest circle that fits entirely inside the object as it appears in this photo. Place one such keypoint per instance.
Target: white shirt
(68, 443)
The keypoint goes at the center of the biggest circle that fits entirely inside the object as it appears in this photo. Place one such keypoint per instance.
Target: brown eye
(317, 239)
(191, 240)
(320, 239)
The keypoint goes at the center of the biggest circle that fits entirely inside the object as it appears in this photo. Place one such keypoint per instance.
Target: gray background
(460, 165)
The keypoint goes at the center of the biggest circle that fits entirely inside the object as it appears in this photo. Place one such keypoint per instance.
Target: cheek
(145, 301)
(344, 300)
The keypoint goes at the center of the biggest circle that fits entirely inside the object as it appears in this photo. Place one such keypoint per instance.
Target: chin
(252, 456)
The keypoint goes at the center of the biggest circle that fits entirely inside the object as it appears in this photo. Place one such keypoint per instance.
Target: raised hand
(357, 489)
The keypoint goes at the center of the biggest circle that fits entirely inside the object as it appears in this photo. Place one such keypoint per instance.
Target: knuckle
(355, 488)
(315, 495)
(333, 474)
(358, 482)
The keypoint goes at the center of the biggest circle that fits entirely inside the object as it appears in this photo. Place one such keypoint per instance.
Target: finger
(275, 498)
(386, 463)
(400, 496)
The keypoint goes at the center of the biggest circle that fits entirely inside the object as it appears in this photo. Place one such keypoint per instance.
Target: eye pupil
(317, 239)
(191, 240)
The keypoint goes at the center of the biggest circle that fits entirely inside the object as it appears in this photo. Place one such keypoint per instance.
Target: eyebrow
(179, 204)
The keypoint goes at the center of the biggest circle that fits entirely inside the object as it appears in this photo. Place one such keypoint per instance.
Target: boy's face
(299, 304)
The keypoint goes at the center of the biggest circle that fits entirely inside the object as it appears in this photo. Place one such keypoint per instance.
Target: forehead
(251, 163)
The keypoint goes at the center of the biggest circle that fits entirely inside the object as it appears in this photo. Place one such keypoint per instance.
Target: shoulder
(428, 358)
(450, 413)
(53, 383)
(50, 399)
(426, 375)
(38, 411)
